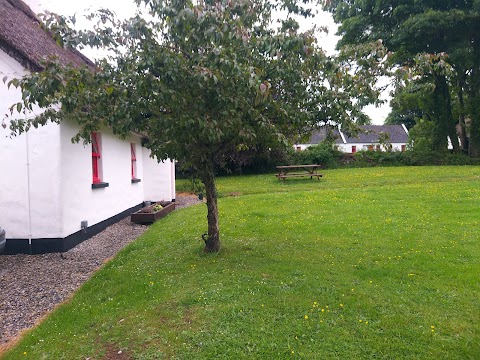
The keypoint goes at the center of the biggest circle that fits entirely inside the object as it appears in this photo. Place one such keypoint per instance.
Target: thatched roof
(22, 38)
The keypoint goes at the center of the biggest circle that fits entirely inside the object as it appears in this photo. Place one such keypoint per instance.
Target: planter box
(144, 217)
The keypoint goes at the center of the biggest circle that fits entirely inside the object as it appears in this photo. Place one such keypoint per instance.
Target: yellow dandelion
(306, 317)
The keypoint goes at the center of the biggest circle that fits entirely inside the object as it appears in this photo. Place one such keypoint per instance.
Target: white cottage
(55, 194)
(370, 137)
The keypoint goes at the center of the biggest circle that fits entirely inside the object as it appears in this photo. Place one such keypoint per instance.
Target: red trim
(133, 159)
(354, 149)
(95, 156)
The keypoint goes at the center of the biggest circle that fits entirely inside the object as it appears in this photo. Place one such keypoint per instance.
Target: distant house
(55, 194)
(371, 137)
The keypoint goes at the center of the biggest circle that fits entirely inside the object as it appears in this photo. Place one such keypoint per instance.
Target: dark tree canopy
(448, 31)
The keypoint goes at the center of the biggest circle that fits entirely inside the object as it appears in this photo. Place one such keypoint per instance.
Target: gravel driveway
(32, 285)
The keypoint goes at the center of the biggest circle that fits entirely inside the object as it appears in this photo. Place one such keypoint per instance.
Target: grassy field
(366, 263)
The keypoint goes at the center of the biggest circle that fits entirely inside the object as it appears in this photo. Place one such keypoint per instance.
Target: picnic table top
(298, 166)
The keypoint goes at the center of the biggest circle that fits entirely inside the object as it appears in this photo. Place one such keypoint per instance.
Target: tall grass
(365, 263)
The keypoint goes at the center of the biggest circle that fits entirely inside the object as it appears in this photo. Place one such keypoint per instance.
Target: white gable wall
(24, 173)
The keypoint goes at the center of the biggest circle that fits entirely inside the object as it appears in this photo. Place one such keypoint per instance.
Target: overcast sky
(126, 8)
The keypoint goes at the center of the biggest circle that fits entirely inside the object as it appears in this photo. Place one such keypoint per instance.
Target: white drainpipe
(29, 196)
(172, 178)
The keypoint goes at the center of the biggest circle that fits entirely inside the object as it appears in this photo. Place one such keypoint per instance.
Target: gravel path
(32, 285)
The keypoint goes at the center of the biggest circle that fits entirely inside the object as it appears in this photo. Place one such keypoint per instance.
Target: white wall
(347, 148)
(159, 178)
(81, 202)
(37, 169)
(60, 175)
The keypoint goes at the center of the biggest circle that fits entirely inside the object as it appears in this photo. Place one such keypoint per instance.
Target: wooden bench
(285, 176)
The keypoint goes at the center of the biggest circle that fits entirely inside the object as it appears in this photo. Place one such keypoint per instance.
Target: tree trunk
(212, 240)
(444, 122)
(462, 131)
(474, 141)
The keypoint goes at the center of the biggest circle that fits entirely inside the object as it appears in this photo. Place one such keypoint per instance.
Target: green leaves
(208, 83)
(428, 41)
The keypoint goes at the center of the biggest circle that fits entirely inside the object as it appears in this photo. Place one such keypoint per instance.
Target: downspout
(172, 179)
(29, 203)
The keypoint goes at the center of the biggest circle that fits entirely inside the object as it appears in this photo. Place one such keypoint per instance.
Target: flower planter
(148, 216)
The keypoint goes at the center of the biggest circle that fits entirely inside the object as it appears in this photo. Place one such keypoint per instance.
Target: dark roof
(371, 134)
(321, 135)
(22, 38)
(368, 134)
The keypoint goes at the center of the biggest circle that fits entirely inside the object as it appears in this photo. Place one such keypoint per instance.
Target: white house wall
(347, 148)
(82, 203)
(58, 176)
(37, 172)
(159, 178)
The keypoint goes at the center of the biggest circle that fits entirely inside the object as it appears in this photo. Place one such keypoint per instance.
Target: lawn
(365, 263)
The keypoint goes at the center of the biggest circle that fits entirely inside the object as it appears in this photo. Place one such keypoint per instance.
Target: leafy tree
(206, 82)
(438, 31)
(408, 105)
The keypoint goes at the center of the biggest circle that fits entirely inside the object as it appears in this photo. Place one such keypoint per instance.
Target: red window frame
(354, 149)
(95, 158)
(133, 158)
(404, 148)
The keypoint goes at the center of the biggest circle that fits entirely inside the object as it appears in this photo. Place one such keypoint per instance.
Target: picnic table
(291, 171)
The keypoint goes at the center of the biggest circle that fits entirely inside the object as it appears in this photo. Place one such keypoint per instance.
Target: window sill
(100, 185)
(134, 181)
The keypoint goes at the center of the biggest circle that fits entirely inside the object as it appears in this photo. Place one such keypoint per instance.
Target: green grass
(365, 263)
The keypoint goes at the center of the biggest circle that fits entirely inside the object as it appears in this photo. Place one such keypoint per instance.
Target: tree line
(434, 55)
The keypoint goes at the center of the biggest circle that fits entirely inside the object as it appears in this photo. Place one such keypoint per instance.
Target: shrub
(322, 154)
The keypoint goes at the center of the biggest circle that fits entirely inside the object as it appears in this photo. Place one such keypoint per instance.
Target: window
(354, 149)
(379, 148)
(370, 147)
(97, 162)
(95, 158)
(133, 161)
(299, 148)
(403, 147)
